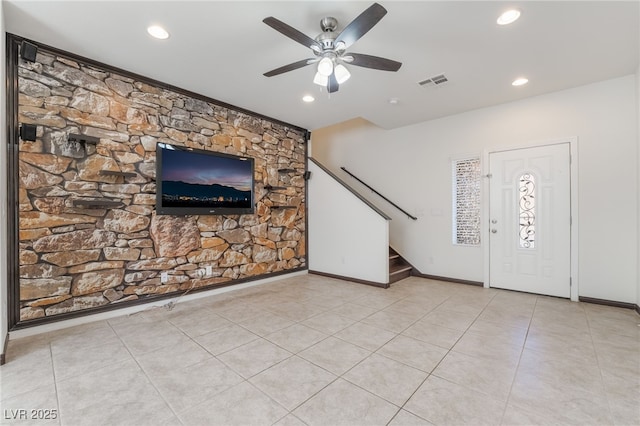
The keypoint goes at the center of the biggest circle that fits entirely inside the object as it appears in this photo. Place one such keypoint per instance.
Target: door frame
(573, 188)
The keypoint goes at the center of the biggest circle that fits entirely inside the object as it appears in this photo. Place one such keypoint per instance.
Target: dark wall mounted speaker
(28, 132)
(28, 51)
(307, 175)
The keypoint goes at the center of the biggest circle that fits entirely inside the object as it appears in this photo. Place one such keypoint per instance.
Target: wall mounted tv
(198, 182)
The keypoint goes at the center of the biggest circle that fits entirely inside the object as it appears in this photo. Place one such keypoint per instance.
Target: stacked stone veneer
(74, 258)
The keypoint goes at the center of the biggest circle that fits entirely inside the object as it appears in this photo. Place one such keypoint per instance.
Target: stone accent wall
(76, 258)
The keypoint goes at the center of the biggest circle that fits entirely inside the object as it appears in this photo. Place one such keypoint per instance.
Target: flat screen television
(198, 182)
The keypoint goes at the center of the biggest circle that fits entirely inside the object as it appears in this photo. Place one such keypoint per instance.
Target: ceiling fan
(330, 48)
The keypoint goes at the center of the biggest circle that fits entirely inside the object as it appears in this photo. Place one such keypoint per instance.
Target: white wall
(638, 173)
(411, 166)
(3, 184)
(346, 236)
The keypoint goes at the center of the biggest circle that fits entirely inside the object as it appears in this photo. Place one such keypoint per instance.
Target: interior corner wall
(412, 166)
(346, 237)
(638, 174)
(3, 185)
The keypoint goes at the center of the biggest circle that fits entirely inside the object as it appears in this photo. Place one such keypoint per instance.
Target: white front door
(530, 220)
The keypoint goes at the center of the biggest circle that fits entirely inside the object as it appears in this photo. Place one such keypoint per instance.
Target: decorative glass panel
(527, 206)
(466, 201)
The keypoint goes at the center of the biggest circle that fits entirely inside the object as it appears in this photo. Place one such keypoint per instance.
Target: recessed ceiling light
(394, 101)
(308, 98)
(508, 17)
(158, 32)
(520, 81)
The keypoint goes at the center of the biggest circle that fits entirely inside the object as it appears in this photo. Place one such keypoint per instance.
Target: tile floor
(319, 351)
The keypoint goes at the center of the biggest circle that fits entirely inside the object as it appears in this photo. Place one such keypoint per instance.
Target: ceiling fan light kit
(330, 48)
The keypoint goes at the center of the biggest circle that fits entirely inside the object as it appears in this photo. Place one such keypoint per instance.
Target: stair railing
(379, 194)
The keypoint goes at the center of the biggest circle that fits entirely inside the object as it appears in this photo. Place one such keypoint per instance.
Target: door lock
(494, 231)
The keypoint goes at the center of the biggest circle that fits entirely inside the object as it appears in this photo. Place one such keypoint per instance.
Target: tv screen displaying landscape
(201, 182)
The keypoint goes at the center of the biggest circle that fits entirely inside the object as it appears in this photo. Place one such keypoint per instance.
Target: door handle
(494, 231)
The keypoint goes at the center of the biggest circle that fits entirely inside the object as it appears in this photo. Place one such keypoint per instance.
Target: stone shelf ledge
(89, 204)
(117, 173)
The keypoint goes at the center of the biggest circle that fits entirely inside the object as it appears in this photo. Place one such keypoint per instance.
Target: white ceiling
(221, 49)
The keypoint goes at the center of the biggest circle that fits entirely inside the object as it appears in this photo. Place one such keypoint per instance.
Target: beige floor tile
(390, 321)
(567, 363)
(565, 403)
(492, 377)
(172, 357)
(366, 336)
(254, 357)
(354, 311)
(415, 353)
(83, 398)
(266, 323)
(335, 355)
(507, 315)
(188, 386)
(493, 347)
(519, 416)
(489, 328)
(69, 361)
(377, 300)
(434, 334)
(292, 381)
(297, 311)
(327, 301)
(296, 337)
(562, 372)
(407, 307)
(38, 406)
(238, 311)
(84, 336)
(449, 319)
(405, 418)
(343, 403)
(466, 306)
(243, 404)
(387, 378)
(290, 420)
(143, 338)
(198, 322)
(225, 339)
(28, 367)
(328, 322)
(577, 344)
(442, 402)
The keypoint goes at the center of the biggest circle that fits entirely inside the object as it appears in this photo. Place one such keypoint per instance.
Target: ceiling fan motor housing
(327, 37)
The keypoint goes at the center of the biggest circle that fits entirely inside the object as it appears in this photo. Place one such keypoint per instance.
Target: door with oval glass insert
(530, 220)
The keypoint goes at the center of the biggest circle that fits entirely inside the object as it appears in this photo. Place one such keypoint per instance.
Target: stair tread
(397, 271)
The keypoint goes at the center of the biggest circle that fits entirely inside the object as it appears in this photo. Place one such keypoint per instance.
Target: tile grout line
(55, 384)
(513, 380)
(445, 355)
(144, 372)
(595, 351)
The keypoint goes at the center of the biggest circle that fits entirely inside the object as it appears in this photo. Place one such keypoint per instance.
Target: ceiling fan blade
(361, 25)
(375, 62)
(289, 67)
(291, 32)
(333, 85)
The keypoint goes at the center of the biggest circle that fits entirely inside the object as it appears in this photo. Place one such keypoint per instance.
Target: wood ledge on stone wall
(88, 234)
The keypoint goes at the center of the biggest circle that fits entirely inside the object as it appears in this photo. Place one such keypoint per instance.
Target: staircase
(399, 268)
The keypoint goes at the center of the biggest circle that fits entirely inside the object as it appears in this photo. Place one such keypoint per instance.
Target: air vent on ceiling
(434, 81)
